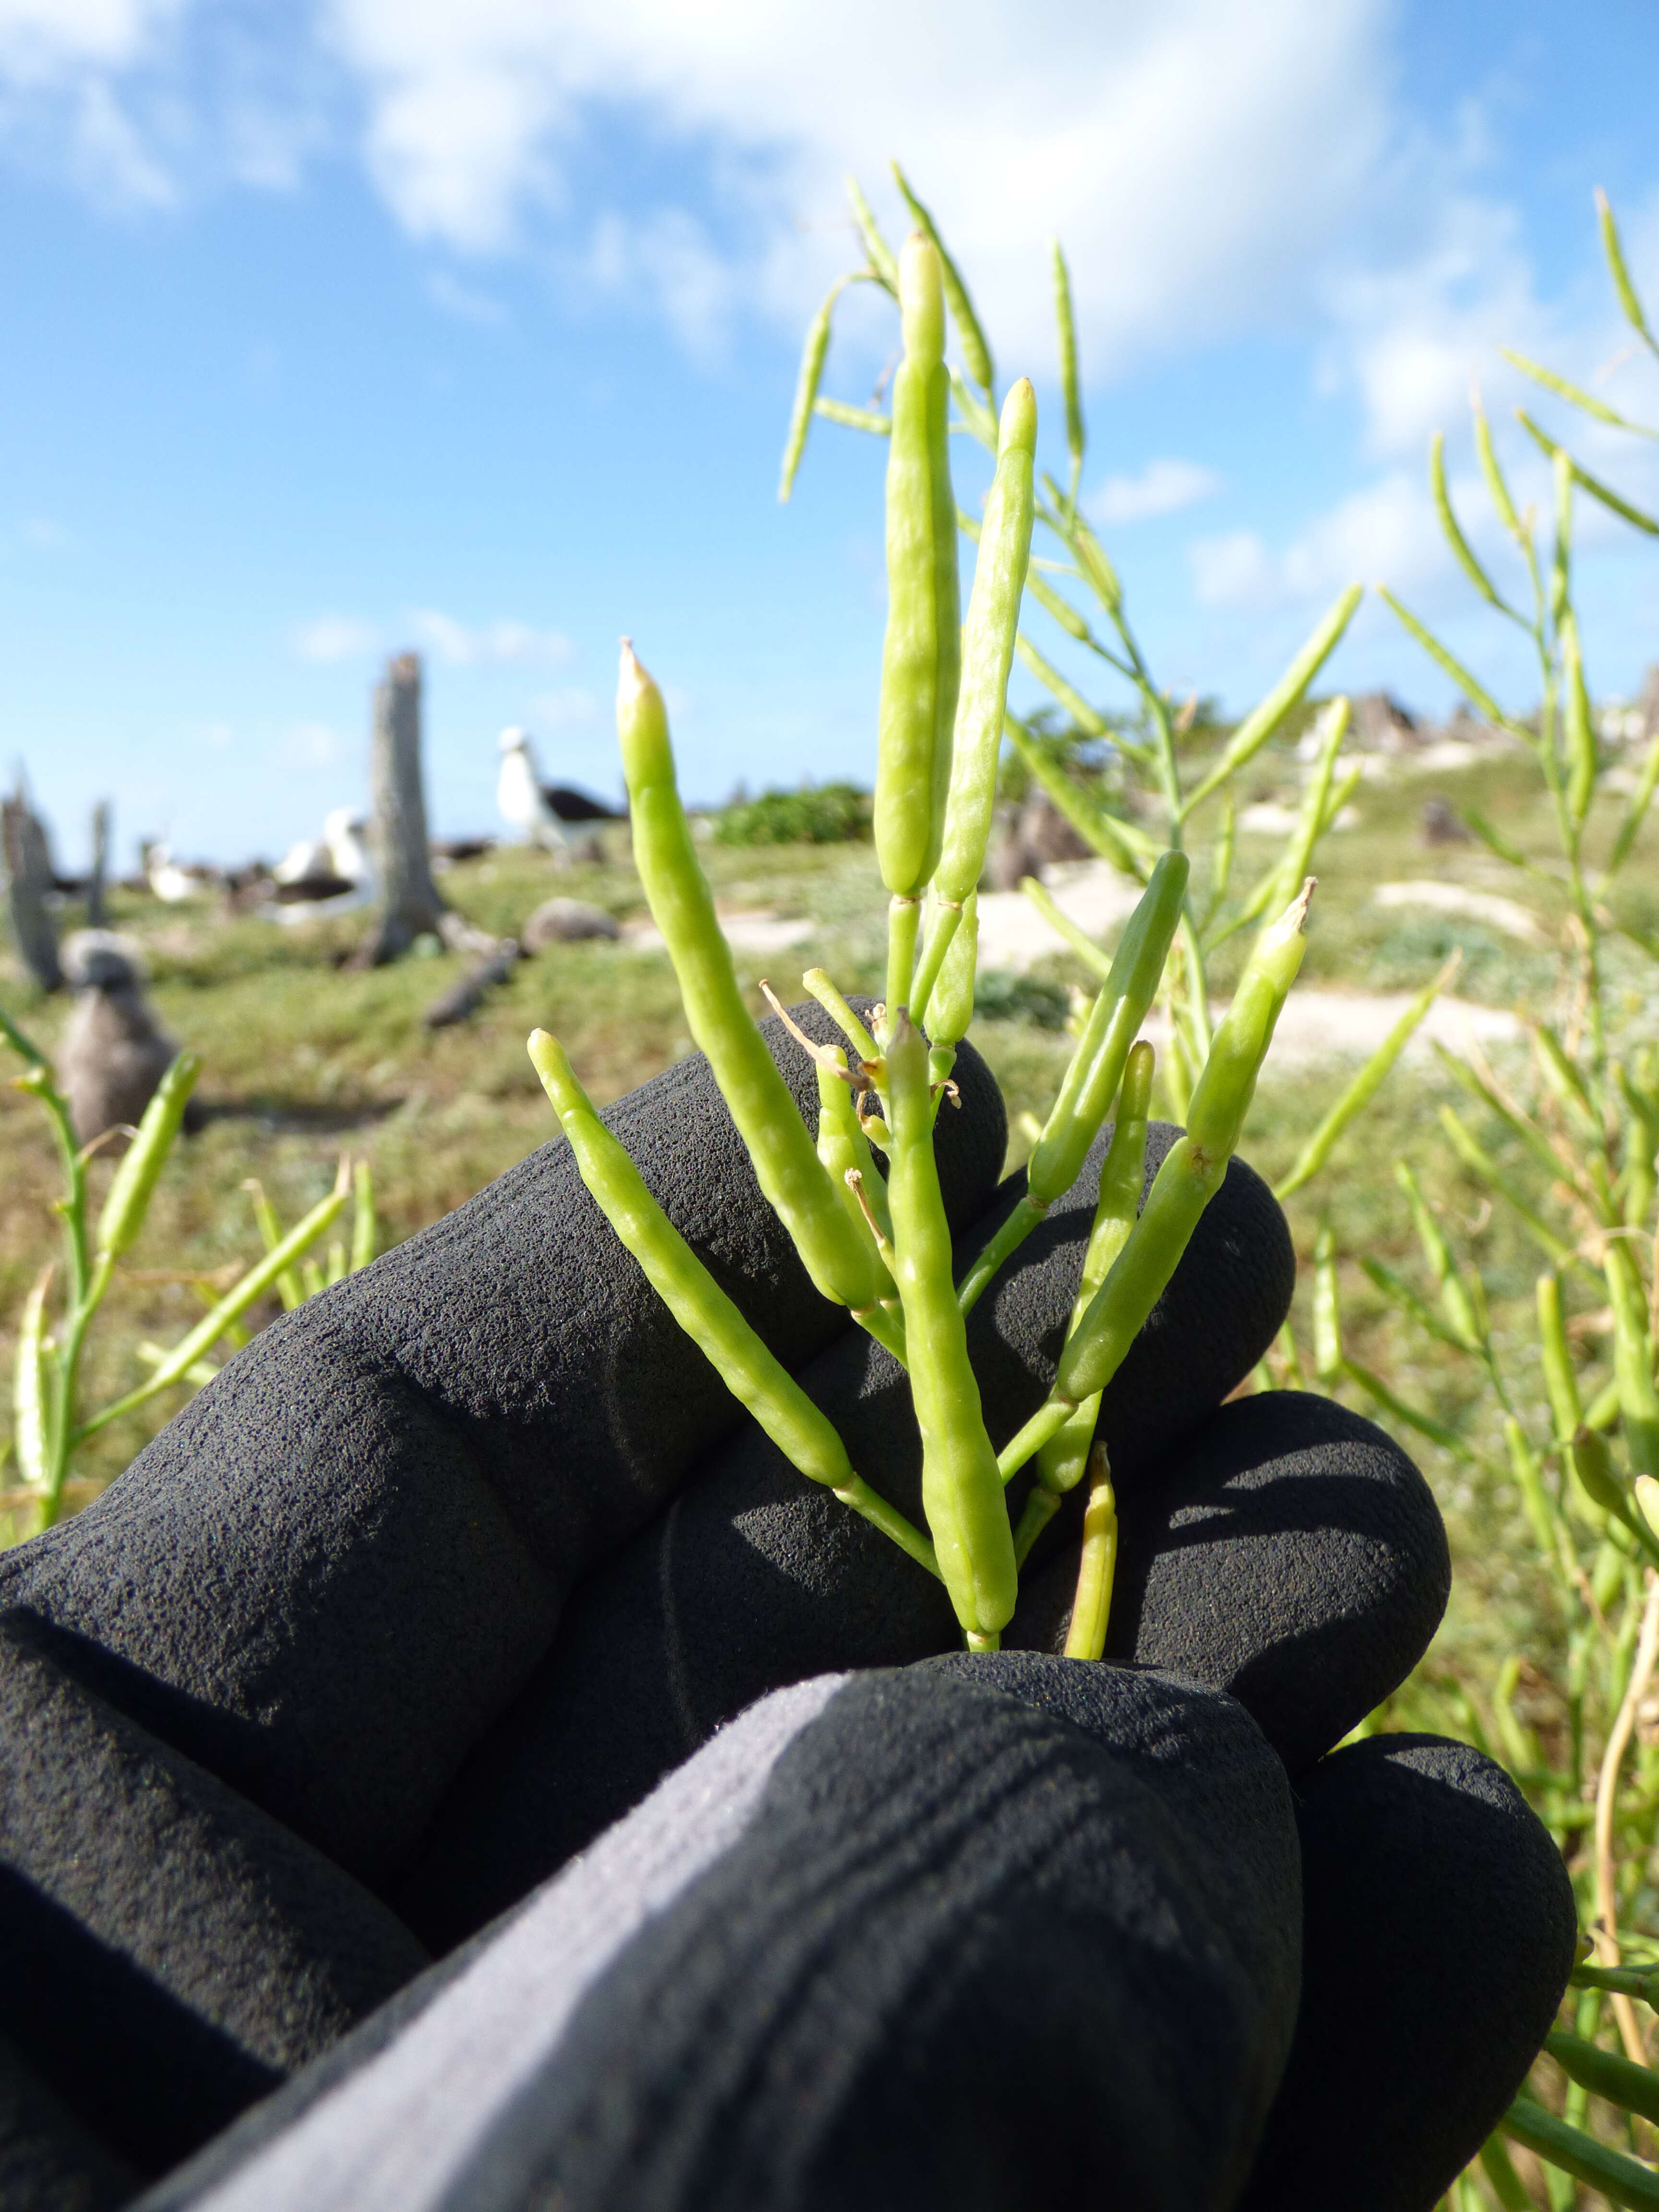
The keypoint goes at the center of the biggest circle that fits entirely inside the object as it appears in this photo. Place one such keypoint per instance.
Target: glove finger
(987, 1933)
(753, 1577)
(49, 2162)
(338, 1563)
(1290, 1553)
(169, 1953)
(1438, 1934)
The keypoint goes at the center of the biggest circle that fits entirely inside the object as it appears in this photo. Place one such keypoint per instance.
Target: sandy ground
(1316, 1025)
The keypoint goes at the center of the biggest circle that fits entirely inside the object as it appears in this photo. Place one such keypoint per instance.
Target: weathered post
(28, 874)
(99, 865)
(409, 903)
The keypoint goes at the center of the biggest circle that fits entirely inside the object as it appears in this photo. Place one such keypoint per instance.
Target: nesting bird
(330, 874)
(521, 797)
(114, 1051)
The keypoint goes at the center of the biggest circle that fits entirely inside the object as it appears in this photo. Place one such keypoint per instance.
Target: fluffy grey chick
(114, 1051)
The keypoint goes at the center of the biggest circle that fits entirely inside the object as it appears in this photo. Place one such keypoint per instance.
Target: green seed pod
(1327, 1309)
(806, 389)
(922, 651)
(1063, 1459)
(1004, 550)
(135, 1179)
(787, 1165)
(1227, 1085)
(1592, 1463)
(951, 1006)
(1096, 1067)
(1067, 325)
(1193, 1169)
(31, 1399)
(877, 250)
(1560, 1379)
(1092, 559)
(1611, 246)
(1647, 1498)
(1580, 728)
(365, 1228)
(975, 351)
(960, 1487)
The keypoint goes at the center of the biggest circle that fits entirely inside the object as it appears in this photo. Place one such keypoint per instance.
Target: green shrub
(816, 814)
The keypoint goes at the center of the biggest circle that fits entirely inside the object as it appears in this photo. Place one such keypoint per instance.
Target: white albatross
(520, 796)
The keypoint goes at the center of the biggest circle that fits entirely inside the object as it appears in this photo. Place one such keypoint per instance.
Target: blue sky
(471, 326)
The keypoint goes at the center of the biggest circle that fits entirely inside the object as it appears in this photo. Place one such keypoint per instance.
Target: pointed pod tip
(1018, 428)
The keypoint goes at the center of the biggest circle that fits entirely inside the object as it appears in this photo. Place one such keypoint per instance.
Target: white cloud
(334, 637)
(464, 301)
(463, 647)
(1162, 487)
(1387, 530)
(41, 41)
(477, 119)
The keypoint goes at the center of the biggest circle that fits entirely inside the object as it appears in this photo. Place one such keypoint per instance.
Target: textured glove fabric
(333, 1568)
(1439, 1934)
(1291, 1554)
(750, 1576)
(990, 1933)
(168, 1952)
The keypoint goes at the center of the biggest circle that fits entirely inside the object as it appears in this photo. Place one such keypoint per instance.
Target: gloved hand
(446, 1570)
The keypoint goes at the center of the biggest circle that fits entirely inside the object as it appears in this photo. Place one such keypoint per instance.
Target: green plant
(49, 1425)
(879, 1245)
(818, 814)
(1568, 1148)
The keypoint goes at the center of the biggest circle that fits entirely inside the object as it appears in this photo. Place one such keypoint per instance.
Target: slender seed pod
(988, 652)
(1253, 731)
(1580, 728)
(787, 1165)
(951, 1006)
(1497, 489)
(806, 387)
(365, 1228)
(1067, 325)
(1632, 1357)
(1092, 559)
(1452, 530)
(1088, 719)
(1193, 1168)
(974, 351)
(1093, 1073)
(1592, 1463)
(1611, 246)
(804, 1435)
(960, 1487)
(1327, 1309)
(1561, 563)
(233, 1305)
(1096, 1068)
(31, 1397)
(1226, 1088)
(844, 1150)
(288, 1286)
(1085, 1637)
(878, 250)
(1647, 1498)
(1529, 1481)
(135, 1179)
(1063, 1459)
(921, 654)
(1560, 1381)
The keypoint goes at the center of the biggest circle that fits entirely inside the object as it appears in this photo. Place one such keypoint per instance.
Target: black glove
(452, 1564)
